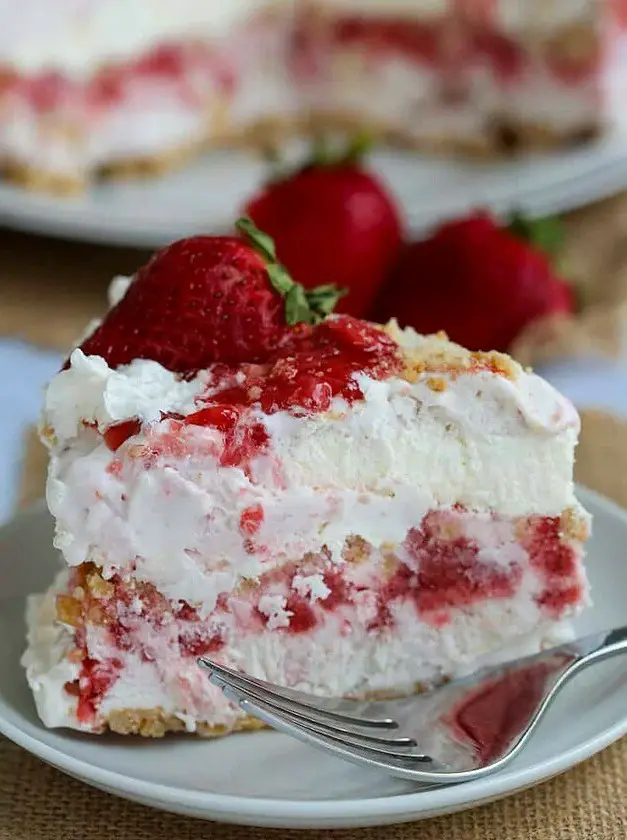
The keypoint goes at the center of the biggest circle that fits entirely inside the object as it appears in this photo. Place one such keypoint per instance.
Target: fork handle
(611, 644)
(615, 641)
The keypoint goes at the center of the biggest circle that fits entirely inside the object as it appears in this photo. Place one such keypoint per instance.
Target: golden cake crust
(155, 723)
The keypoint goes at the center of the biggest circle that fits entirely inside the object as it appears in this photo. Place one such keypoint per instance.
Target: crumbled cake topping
(574, 525)
(437, 383)
(69, 610)
(48, 436)
(436, 354)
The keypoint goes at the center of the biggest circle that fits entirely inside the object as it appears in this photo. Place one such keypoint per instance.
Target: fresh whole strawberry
(332, 222)
(208, 299)
(479, 281)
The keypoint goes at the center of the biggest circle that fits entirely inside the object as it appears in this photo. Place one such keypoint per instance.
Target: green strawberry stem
(544, 234)
(302, 306)
(273, 158)
(358, 148)
(322, 155)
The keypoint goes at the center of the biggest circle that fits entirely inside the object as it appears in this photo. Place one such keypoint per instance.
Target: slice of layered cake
(319, 501)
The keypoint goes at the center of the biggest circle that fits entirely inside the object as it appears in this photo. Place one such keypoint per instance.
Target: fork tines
(324, 724)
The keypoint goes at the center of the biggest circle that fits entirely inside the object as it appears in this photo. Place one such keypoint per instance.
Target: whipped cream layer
(77, 36)
(47, 657)
(341, 654)
(165, 507)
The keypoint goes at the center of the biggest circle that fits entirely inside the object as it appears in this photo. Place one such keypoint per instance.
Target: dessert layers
(78, 37)
(90, 86)
(478, 76)
(367, 511)
(109, 88)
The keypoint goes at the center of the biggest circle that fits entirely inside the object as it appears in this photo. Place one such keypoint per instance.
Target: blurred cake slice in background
(402, 68)
(468, 75)
(553, 65)
(90, 87)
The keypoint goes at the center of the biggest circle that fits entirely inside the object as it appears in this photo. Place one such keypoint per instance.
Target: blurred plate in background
(208, 195)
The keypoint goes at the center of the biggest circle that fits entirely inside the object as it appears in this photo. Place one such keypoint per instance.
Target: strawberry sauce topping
(244, 439)
(555, 561)
(226, 306)
(304, 376)
(119, 433)
(311, 369)
(95, 679)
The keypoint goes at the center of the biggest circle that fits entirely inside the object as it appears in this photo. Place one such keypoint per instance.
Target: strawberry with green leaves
(333, 221)
(209, 299)
(479, 281)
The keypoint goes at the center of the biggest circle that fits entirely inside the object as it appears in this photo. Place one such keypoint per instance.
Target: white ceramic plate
(267, 779)
(208, 195)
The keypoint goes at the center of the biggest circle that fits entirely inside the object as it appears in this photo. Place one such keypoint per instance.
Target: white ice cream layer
(325, 661)
(89, 391)
(372, 469)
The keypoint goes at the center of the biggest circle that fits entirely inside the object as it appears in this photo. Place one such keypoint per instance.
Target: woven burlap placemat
(48, 292)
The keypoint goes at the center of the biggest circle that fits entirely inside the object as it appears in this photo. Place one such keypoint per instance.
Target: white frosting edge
(46, 661)
(77, 41)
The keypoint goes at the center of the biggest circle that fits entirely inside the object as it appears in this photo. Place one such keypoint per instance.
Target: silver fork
(459, 731)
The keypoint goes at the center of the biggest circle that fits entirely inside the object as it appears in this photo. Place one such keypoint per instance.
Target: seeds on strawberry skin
(208, 299)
